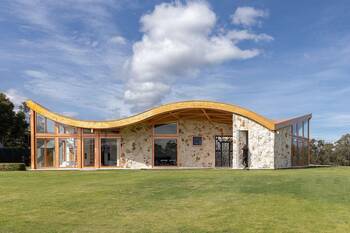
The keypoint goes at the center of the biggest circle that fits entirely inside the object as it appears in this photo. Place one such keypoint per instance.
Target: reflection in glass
(306, 129)
(50, 126)
(165, 152)
(66, 129)
(165, 128)
(300, 129)
(40, 123)
(109, 152)
(89, 151)
(68, 152)
(44, 125)
(45, 153)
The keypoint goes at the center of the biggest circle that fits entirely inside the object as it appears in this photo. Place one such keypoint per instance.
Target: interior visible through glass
(45, 153)
(68, 152)
(89, 151)
(165, 152)
(109, 152)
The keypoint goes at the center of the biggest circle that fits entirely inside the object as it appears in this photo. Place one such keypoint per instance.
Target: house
(189, 134)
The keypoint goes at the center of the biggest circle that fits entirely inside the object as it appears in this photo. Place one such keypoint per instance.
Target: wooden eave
(206, 108)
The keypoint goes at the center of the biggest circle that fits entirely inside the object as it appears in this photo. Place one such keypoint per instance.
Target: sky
(106, 59)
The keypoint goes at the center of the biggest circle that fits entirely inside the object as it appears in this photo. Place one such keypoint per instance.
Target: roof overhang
(154, 112)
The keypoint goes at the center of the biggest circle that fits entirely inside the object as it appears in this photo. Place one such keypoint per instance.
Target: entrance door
(223, 151)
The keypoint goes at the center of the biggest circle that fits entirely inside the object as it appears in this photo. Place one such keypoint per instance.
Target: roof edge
(195, 104)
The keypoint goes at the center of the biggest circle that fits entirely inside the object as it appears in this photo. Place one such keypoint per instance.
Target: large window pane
(165, 128)
(68, 152)
(109, 152)
(67, 129)
(306, 129)
(44, 125)
(165, 152)
(45, 153)
(300, 129)
(89, 151)
(50, 126)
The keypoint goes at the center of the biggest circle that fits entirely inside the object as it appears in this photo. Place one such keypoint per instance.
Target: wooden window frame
(119, 150)
(166, 136)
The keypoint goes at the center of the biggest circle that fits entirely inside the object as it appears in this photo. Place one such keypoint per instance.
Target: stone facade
(283, 148)
(267, 149)
(260, 144)
(203, 155)
(136, 144)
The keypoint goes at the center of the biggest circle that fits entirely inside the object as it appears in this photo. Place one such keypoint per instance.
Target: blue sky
(94, 59)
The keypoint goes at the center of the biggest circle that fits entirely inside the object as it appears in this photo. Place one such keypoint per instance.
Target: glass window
(66, 129)
(165, 128)
(295, 129)
(50, 126)
(44, 125)
(88, 131)
(197, 141)
(110, 131)
(300, 129)
(68, 152)
(306, 129)
(165, 152)
(109, 152)
(40, 123)
(89, 151)
(45, 153)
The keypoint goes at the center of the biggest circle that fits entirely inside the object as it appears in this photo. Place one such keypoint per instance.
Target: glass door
(110, 151)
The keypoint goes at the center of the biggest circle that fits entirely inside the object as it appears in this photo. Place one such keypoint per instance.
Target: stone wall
(267, 149)
(204, 155)
(137, 144)
(283, 148)
(261, 144)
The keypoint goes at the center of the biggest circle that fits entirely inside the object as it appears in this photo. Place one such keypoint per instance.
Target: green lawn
(302, 200)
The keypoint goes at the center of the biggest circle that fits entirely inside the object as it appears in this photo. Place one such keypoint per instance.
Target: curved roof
(167, 108)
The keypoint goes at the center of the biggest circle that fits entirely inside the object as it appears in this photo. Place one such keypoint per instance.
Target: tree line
(13, 124)
(331, 153)
(14, 133)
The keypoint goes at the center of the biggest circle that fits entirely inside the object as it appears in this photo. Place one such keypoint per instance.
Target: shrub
(12, 167)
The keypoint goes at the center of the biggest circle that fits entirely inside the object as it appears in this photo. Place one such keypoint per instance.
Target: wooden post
(32, 139)
(308, 141)
(79, 148)
(57, 147)
(97, 149)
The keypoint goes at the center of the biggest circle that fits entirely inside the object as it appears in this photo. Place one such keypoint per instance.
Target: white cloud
(178, 40)
(248, 16)
(246, 35)
(16, 98)
(118, 40)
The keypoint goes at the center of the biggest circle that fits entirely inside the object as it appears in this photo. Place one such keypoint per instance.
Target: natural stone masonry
(203, 155)
(283, 148)
(267, 149)
(261, 144)
(136, 146)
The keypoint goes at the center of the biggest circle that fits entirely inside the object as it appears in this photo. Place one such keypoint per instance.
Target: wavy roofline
(171, 107)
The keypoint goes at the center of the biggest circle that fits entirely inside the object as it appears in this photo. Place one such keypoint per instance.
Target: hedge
(12, 167)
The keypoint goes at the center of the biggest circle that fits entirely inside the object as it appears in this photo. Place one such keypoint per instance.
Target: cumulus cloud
(248, 16)
(178, 39)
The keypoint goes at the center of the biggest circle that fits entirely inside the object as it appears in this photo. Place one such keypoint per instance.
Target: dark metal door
(223, 151)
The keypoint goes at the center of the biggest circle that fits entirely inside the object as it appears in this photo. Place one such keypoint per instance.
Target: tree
(342, 150)
(13, 125)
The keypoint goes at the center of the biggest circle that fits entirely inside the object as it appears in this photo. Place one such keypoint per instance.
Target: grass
(301, 200)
